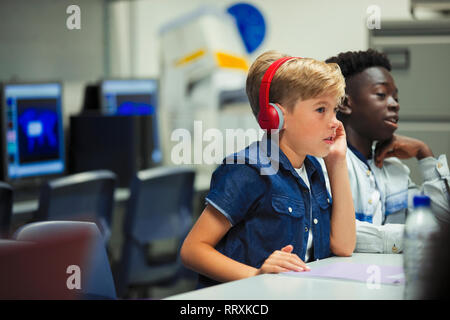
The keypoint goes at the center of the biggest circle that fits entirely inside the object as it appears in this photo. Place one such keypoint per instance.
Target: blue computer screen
(129, 97)
(34, 130)
(134, 97)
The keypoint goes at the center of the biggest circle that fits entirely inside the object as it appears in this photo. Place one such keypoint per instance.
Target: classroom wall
(317, 29)
(120, 38)
(36, 45)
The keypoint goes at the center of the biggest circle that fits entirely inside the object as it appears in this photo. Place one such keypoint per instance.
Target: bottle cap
(420, 201)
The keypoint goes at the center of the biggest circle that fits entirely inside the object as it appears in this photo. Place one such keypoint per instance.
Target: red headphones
(270, 115)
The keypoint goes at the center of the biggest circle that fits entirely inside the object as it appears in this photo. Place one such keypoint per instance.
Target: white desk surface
(285, 287)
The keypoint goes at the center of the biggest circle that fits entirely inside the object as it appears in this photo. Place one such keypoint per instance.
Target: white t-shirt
(302, 173)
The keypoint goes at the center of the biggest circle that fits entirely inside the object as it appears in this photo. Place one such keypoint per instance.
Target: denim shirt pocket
(288, 206)
(324, 201)
(287, 223)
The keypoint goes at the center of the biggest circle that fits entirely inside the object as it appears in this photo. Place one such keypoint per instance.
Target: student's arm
(401, 147)
(386, 238)
(343, 229)
(198, 252)
(435, 172)
(436, 185)
(371, 238)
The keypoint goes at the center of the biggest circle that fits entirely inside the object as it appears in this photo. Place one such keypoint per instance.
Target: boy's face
(373, 100)
(310, 127)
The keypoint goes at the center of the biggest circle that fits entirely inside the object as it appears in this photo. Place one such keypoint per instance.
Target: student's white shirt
(302, 173)
(382, 196)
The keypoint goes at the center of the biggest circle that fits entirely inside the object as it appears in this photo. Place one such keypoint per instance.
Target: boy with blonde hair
(258, 223)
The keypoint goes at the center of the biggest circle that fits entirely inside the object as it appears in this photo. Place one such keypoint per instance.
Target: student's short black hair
(354, 62)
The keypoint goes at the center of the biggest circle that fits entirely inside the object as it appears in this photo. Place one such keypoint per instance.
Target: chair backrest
(73, 243)
(6, 201)
(160, 204)
(14, 256)
(87, 196)
(159, 208)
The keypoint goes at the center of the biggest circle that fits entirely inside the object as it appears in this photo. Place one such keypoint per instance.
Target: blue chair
(86, 250)
(86, 196)
(159, 209)
(6, 201)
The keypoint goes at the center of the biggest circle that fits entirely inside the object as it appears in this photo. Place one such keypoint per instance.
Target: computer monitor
(133, 97)
(129, 97)
(32, 136)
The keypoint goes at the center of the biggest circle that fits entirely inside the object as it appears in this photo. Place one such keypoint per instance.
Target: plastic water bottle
(421, 231)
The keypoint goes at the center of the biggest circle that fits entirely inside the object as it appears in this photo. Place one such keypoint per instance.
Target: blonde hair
(296, 79)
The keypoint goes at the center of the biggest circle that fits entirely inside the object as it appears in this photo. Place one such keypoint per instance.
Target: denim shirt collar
(265, 144)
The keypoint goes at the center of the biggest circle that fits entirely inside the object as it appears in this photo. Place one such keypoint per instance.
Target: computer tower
(122, 144)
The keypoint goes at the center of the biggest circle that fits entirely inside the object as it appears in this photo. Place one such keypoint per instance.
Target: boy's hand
(281, 261)
(338, 150)
(401, 147)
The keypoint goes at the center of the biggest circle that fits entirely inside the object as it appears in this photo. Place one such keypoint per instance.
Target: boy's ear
(346, 106)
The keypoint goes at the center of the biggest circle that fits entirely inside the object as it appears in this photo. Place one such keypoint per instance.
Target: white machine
(204, 68)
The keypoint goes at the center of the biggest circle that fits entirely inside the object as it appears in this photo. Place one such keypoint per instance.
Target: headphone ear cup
(280, 115)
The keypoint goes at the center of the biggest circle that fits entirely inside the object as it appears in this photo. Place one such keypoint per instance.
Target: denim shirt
(269, 211)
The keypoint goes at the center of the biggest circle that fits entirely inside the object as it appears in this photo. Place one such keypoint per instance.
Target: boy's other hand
(401, 147)
(281, 261)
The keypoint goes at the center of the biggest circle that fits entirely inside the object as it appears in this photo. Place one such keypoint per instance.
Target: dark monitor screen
(33, 130)
(133, 97)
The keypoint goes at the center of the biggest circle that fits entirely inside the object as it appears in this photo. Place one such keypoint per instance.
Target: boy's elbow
(184, 253)
(342, 250)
